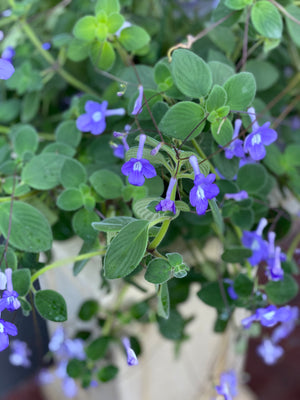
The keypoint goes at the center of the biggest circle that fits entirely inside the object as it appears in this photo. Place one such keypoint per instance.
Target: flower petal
(84, 123)
(6, 69)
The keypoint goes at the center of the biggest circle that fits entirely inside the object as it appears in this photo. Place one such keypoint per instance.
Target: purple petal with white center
(269, 352)
(6, 69)
(98, 127)
(128, 166)
(228, 385)
(136, 178)
(147, 169)
(267, 134)
(84, 123)
(166, 205)
(9, 327)
(257, 152)
(4, 341)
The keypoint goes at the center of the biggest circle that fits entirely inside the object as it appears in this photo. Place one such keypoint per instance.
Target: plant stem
(293, 247)
(64, 261)
(161, 234)
(110, 319)
(202, 154)
(56, 67)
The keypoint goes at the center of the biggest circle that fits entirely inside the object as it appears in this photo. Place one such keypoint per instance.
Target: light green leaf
(237, 4)
(181, 119)
(191, 74)
(70, 199)
(30, 106)
(158, 271)
(240, 90)
(265, 74)
(102, 55)
(85, 28)
(217, 216)
(114, 22)
(113, 224)
(67, 133)
(222, 131)
(134, 38)
(126, 250)
(30, 231)
(108, 6)
(72, 174)
(106, 183)
(25, 140)
(267, 19)
(220, 72)
(216, 99)
(292, 27)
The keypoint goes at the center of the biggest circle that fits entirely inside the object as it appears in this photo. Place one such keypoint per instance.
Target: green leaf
(291, 156)
(158, 271)
(220, 72)
(267, 19)
(9, 110)
(10, 258)
(126, 250)
(236, 254)
(174, 259)
(106, 183)
(102, 55)
(25, 79)
(88, 310)
(67, 133)
(172, 328)
(43, 171)
(140, 208)
(85, 28)
(75, 368)
(222, 131)
(51, 305)
(78, 50)
(109, 6)
(21, 279)
(216, 99)
(251, 177)
(98, 348)
(240, 90)
(113, 224)
(87, 247)
(30, 231)
(237, 4)
(163, 301)
(25, 140)
(114, 22)
(265, 74)
(211, 295)
(243, 286)
(134, 38)
(70, 199)
(60, 149)
(30, 106)
(82, 224)
(181, 119)
(26, 307)
(292, 27)
(217, 216)
(107, 373)
(223, 38)
(281, 292)
(72, 174)
(191, 74)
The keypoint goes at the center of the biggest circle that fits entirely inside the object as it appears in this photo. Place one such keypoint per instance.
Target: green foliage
(240, 90)
(106, 183)
(292, 26)
(172, 328)
(134, 38)
(72, 174)
(70, 199)
(88, 310)
(163, 301)
(283, 291)
(25, 140)
(51, 305)
(158, 271)
(21, 279)
(238, 4)
(97, 348)
(266, 19)
(107, 373)
(236, 254)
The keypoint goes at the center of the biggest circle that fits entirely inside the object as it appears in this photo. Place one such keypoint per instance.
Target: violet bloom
(167, 204)
(6, 328)
(94, 119)
(137, 169)
(46, 46)
(138, 105)
(235, 148)
(228, 385)
(274, 270)
(269, 352)
(282, 331)
(260, 137)
(156, 149)
(242, 195)
(3, 281)
(131, 356)
(204, 188)
(255, 242)
(8, 53)
(230, 289)
(69, 385)
(271, 315)
(20, 354)
(6, 69)
(9, 299)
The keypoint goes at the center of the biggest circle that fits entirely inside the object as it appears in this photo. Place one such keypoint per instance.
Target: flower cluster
(10, 302)
(263, 250)
(270, 316)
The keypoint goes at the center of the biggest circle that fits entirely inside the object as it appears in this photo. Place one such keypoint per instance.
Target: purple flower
(242, 195)
(6, 13)
(167, 204)
(274, 270)
(137, 169)
(69, 385)
(235, 148)
(9, 299)
(230, 289)
(94, 119)
(45, 377)
(269, 352)
(131, 356)
(46, 46)
(203, 189)
(119, 150)
(3, 281)
(271, 315)
(260, 137)
(228, 385)
(8, 53)
(6, 69)
(255, 242)
(6, 328)
(20, 354)
(138, 105)
(156, 149)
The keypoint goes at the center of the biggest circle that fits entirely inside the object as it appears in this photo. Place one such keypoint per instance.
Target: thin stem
(293, 247)
(245, 41)
(202, 154)
(283, 10)
(56, 67)
(110, 319)
(161, 234)
(286, 111)
(64, 261)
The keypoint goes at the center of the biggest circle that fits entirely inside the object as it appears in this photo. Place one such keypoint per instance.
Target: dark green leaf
(51, 305)
(281, 292)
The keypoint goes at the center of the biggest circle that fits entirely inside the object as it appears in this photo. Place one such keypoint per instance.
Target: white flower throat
(97, 116)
